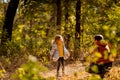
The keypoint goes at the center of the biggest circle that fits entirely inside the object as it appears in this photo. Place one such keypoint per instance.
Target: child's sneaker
(63, 74)
(58, 75)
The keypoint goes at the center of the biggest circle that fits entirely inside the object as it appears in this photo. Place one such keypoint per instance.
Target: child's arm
(52, 51)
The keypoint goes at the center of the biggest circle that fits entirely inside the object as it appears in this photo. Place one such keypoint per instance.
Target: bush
(29, 71)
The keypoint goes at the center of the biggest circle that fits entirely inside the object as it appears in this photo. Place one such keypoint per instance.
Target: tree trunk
(77, 30)
(58, 3)
(8, 22)
(67, 38)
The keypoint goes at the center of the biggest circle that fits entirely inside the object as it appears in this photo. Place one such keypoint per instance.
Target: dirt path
(73, 72)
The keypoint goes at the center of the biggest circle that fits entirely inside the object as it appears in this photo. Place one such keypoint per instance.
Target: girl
(59, 53)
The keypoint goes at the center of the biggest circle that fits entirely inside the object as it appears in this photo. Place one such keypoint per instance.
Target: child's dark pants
(60, 61)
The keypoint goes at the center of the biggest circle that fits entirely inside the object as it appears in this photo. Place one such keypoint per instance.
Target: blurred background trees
(27, 27)
(37, 22)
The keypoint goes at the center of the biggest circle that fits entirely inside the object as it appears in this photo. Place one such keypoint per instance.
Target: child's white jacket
(55, 53)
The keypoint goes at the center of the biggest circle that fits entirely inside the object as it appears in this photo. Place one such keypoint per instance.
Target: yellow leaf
(97, 54)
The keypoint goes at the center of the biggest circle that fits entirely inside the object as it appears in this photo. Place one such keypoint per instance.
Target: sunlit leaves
(18, 38)
(2, 71)
(105, 27)
(20, 28)
(114, 14)
(27, 37)
(106, 55)
(114, 52)
(94, 68)
(97, 54)
(94, 77)
(30, 71)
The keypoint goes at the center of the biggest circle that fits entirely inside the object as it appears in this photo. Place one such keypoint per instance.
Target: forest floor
(74, 71)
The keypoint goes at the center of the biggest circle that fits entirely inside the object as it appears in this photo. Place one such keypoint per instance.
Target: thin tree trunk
(77, 30)
(67, 38)
(58, 3)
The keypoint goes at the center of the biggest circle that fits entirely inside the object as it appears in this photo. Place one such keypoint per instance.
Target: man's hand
(111, 57)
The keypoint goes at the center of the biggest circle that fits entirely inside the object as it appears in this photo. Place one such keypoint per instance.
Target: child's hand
(51, 58)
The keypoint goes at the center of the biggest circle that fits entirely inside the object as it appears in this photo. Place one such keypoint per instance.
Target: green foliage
(94, 77)
(30, 71)
(35, 27)
(2, 73)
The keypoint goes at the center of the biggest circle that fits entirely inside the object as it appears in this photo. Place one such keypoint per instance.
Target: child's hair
(98, 37)
(57, 38)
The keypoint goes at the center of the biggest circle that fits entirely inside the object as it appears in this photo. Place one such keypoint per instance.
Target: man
(101, 62)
